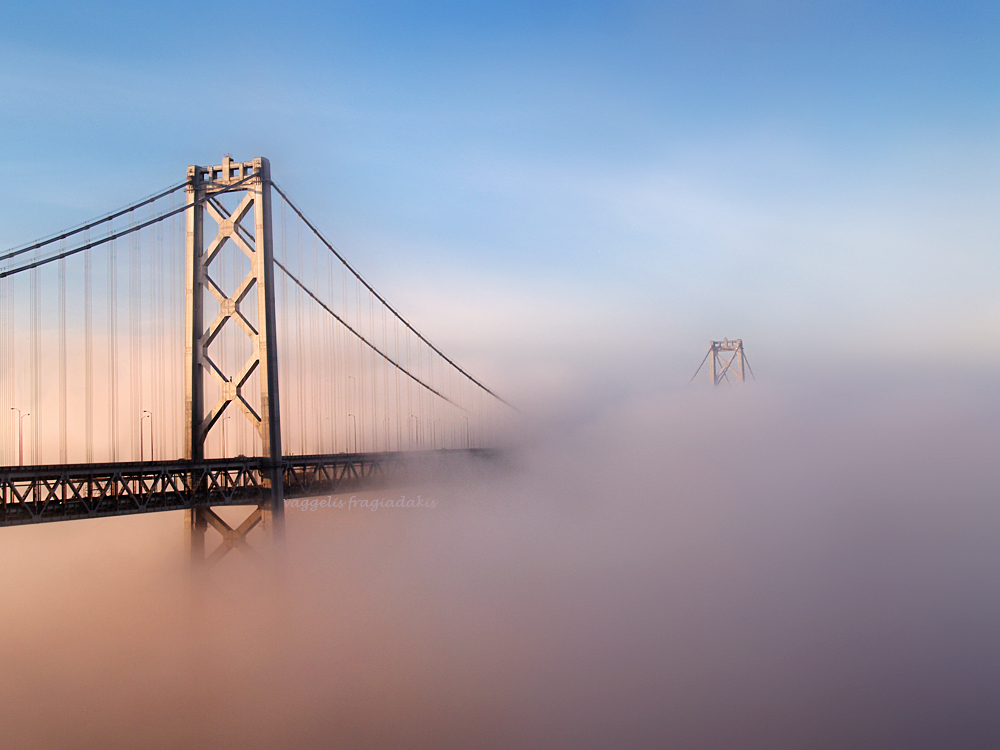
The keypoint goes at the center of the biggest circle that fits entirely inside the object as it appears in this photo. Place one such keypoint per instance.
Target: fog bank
(757, 567)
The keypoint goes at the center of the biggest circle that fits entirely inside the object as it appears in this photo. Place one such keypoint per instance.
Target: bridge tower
(722, 364)
(248, 227)
(727, 356)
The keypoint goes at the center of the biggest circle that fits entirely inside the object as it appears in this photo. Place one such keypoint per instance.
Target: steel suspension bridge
(141, 356)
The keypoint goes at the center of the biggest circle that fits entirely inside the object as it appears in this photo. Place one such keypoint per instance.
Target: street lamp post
(142, 437)
(352, 403)
(20, 435)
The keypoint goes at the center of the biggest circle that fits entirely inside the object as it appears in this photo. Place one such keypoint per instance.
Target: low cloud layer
(755, 567)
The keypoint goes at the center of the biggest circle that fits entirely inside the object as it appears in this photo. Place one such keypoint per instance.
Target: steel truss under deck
(39, 494)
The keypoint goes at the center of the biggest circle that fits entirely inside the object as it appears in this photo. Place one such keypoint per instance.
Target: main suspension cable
(360, 337)
(381, 299)
(111, 237)
(91, 224)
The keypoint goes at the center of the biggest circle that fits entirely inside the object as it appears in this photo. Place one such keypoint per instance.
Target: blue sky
(556, 180)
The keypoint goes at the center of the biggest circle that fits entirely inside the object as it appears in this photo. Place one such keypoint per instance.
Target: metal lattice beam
(45, 494)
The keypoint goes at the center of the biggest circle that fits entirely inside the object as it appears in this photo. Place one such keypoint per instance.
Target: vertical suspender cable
(300, 370)
(283, 361)
(113, 349)
(4, 369)
(345, 355)
(359, 393)
(421, 417)
(315, 364)
(286, 315)
(63, 450)
(174, 341)
(36, 415)
(88, 356)
(157, 363)
(134, 365)
(371, 375)
(399, 431)
(410, 431)
(385, 379)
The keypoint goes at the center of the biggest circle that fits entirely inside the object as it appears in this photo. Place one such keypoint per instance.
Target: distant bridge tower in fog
(727, 357)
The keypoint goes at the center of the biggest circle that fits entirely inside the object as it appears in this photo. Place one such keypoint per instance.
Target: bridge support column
(252, 235)
(194, 534)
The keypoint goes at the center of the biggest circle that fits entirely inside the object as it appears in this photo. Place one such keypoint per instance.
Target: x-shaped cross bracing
(728, 363)
(231, 389)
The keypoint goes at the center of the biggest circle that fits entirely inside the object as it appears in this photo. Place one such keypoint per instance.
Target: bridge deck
(37, 494)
